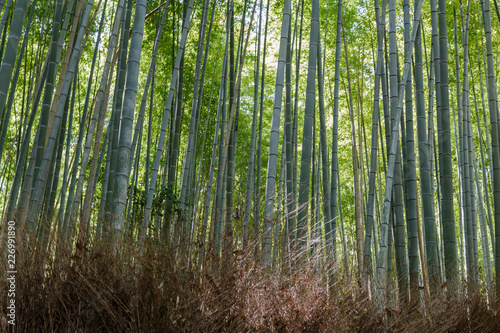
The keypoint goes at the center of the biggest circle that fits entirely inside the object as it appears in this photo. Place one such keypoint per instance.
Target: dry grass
(101, 292)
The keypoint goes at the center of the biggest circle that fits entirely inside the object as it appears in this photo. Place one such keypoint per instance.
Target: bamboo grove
(361, 135)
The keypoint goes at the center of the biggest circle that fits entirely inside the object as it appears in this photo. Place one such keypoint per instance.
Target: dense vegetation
(218, 161)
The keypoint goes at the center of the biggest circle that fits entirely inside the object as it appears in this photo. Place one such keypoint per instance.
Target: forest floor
(94, 290)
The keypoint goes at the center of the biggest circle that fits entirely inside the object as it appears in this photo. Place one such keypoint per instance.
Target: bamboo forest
(249, 166)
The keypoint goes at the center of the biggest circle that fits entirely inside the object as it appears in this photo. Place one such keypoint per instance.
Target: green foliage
(166, 194)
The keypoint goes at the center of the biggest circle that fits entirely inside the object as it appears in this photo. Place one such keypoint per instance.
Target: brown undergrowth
(94, 290)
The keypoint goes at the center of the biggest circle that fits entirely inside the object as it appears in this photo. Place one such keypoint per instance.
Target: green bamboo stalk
(374, 151)
(126, 121)
(257, 204)
(288, 138)
(324, 145)
(427, 195)
(292, 225)
(488, 149)
(276, 232)
(52, 183)
(410, 175)
(187, 193)
(60, 226)
(487, 218)
(465, 196)
(12, 212)
(470, 144)
(332, 237)
(117, 106)
(229, 163)
(397, 192)
(39, 186)
(199, 104)
(142, 107)
(234, 108)
(74, 19)
(445, 162)
(206, 204)
(176, 135)
(3, 26)
(305, 165)
(253, 139)
(48, 92)
(217, 210)
(96, 120)
(166, 116)
(274, 139)
(100, 108)
(218, 124)
(492, 103)
(7, 67)
(382, 270)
